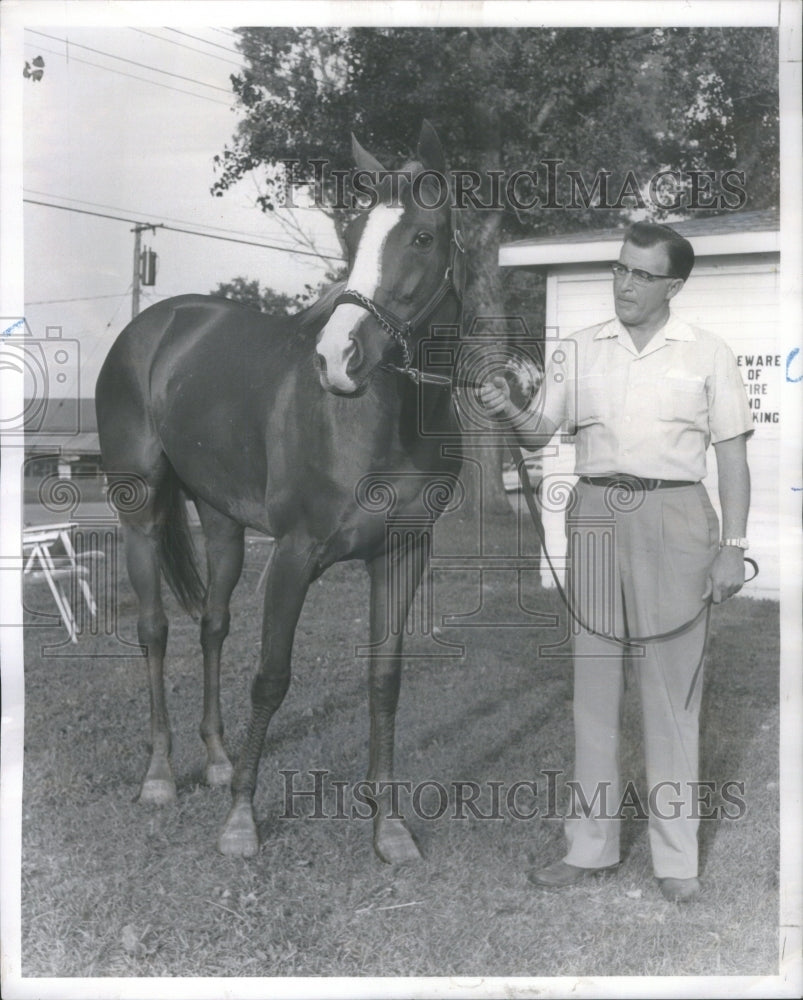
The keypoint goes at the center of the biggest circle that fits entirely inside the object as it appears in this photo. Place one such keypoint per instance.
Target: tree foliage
(622, 99)
(615, 99)
(629, 101)
(251, 293)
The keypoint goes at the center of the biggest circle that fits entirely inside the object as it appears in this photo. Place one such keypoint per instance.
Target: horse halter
(401, 330)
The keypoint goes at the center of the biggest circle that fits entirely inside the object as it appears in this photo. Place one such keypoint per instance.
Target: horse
(277, 424)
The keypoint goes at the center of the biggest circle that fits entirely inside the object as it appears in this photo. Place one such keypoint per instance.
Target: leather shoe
(679, 890)
(561, 875)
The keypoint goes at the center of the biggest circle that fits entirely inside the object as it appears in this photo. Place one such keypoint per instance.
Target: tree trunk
(484, 302)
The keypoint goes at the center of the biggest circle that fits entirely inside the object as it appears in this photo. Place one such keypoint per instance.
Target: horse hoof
(395, 845)
(238, 844)
(239, 836)
(219, 774)
(158, 791)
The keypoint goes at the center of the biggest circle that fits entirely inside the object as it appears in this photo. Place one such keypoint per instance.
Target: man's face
(638, 304)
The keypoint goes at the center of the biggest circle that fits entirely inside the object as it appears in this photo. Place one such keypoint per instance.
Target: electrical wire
(188, 232)
(83, 298)
(191, 48)
(130, 76)
(95, 204)
(132, 62)
(113, 316)
(204, 40)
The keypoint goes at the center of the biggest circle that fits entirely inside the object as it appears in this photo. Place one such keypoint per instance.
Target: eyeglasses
(639, 277)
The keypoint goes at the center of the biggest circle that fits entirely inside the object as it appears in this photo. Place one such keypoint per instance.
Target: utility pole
(135, 286)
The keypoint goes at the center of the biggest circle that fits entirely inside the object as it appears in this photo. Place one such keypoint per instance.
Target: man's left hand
(726, 576)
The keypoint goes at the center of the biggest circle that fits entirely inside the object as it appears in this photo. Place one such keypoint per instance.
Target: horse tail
(177, 553)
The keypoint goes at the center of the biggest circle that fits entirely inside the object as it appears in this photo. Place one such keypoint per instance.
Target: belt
(636, 482)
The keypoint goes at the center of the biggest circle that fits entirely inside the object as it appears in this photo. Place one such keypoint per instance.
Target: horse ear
(363, 159)
(430, 151)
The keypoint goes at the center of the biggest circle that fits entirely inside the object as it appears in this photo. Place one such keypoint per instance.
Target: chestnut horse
(277, 424)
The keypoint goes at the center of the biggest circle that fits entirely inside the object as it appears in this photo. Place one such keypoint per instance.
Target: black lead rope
(400, 332)
(529, 498)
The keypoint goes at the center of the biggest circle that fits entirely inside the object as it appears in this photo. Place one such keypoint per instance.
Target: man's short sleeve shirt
(651, 414)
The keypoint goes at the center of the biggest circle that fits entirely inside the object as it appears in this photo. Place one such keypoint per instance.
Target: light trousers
(638, 565)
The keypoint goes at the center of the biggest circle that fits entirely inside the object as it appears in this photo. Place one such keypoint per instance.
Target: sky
(126, 121)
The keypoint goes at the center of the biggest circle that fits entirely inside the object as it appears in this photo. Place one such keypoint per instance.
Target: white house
(734, 292)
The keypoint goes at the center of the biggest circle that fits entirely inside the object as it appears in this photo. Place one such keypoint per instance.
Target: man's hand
(726, 576)
(495, 397)
(532, 430)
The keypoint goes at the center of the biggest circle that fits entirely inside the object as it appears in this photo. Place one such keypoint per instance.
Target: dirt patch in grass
(112, 888)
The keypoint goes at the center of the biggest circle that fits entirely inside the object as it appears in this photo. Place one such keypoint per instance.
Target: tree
(563, 103)
(623, 99)
(250, 293)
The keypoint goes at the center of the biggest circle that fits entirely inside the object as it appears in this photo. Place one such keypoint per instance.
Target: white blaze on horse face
(335, 345)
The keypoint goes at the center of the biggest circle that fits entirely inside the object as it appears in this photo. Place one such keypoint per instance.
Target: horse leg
(292, 568)
(142, 559)
(394, 577)
(224, 556)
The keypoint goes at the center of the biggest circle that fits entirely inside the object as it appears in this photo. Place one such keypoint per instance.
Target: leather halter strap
(401, 330)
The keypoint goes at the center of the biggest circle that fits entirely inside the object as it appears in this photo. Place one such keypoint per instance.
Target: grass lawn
(113, 888)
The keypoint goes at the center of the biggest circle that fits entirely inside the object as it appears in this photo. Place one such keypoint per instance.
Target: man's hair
(678, 248)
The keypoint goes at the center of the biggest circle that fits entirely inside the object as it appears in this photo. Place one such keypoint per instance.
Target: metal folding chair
(41, 564)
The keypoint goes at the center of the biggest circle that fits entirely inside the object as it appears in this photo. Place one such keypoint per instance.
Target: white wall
(737, 298)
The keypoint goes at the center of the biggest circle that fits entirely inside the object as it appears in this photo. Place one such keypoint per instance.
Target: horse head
(400, 254)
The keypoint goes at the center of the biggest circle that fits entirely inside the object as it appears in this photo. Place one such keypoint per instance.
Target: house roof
(66, 425)
(733, 233)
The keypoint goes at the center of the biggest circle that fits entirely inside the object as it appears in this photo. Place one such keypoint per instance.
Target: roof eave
(542, 254)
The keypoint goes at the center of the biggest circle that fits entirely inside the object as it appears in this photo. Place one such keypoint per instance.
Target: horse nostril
(355, 356)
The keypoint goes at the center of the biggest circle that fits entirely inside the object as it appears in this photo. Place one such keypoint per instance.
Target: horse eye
(423, 240)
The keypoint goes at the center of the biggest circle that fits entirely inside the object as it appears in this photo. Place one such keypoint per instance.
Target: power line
(100, 342)
(131, 76)
(132, 62)
(188, 232)
(95, 204)
(83, 298)
(112, 318)
(83, 211)
(204, 40)
(191, 48)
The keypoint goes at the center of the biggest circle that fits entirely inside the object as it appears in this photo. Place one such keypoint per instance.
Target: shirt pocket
(592, 400)
(683, 401)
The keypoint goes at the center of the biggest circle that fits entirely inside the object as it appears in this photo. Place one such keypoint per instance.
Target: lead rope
(529, 499)
(400, 332)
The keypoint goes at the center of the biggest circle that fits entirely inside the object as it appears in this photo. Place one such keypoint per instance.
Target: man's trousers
(638, 566)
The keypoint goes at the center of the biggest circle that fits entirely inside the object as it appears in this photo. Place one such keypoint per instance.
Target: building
(61, 438)
(734, 292)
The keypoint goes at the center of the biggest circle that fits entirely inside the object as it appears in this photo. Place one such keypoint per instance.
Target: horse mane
(315, 315)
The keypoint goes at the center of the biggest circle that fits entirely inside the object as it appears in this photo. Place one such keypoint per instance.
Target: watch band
(739, 543)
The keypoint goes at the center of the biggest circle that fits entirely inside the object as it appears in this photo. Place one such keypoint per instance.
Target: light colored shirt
(651, 414)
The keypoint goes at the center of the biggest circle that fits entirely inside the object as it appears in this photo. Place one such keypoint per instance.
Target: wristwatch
(739, 543)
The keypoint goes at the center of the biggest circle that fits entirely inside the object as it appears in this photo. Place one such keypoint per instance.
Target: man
(644, 394)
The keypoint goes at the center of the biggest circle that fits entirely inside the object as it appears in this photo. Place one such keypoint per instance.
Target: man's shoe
(561, 875)
(679, 890)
